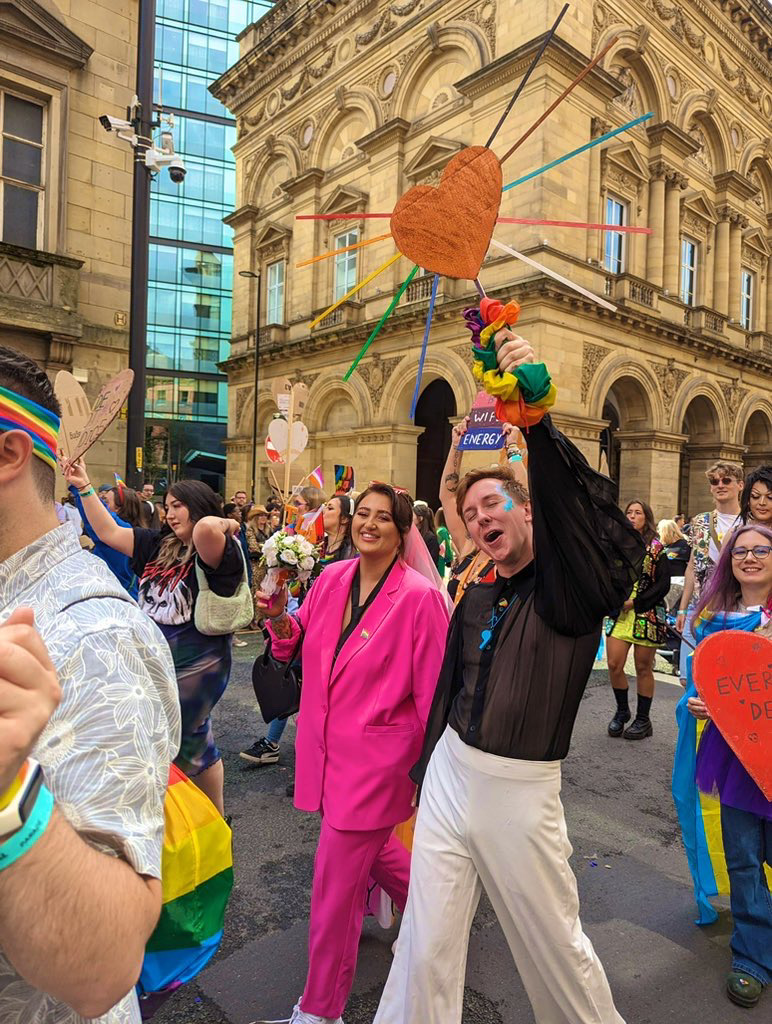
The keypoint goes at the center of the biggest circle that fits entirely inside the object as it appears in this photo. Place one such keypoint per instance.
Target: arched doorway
(757, 438)
(702, 426)
(436, 407)
(627, 409)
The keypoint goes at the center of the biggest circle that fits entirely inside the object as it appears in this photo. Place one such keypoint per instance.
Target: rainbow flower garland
(42, 425)
(522, 397)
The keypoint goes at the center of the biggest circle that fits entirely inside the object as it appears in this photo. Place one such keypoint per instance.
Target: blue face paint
(508, 503)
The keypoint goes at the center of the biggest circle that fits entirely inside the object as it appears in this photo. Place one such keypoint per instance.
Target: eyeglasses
(716, 480)
(760, 551)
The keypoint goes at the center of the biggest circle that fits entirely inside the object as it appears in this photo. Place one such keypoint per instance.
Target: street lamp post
(255, 276)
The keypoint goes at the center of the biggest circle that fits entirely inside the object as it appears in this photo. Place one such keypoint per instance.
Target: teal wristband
(21, 842)
(87, 492)
(515, 458)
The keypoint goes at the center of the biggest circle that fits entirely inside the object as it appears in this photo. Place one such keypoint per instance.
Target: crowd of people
(444, 653)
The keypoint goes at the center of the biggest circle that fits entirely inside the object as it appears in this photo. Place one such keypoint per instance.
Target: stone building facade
(65, 208)
(342, 106)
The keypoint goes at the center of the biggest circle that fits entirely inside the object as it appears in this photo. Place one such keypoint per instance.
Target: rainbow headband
(42, 425)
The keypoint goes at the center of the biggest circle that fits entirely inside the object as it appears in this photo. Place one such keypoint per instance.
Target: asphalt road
(634, 886)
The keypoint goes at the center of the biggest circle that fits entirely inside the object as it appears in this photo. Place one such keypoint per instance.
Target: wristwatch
(19, 800)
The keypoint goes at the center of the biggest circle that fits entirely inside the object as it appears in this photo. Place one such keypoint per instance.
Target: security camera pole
(140, 229)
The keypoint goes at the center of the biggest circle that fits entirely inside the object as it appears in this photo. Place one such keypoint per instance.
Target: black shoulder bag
(277, 683)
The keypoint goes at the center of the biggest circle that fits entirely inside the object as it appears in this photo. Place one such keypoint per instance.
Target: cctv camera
(177, 171)
(114, 124)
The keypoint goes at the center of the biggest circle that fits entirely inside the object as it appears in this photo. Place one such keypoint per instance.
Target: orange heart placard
(447, 230)
(733, 674)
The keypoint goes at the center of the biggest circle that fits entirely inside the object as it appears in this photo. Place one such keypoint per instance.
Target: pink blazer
(362, 720)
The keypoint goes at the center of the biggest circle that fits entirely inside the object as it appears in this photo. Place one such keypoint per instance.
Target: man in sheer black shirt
(519, 654)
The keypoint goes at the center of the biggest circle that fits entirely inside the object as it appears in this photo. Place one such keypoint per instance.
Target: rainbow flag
(196, 879)
(119, 481)
(316, 478)
(344, 479)
(312, 526)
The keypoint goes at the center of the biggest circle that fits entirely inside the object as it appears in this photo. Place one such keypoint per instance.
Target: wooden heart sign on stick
(75, 413)
(447, 230)
(107, 406)
(281, 437)
(733, 674)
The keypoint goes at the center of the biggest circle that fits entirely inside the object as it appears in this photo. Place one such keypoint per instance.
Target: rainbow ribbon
(42, 425)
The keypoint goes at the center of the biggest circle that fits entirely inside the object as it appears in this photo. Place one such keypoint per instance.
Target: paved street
(634, 886)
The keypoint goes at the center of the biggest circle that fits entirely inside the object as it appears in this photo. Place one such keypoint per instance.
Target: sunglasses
(760, 551)
(716, 480)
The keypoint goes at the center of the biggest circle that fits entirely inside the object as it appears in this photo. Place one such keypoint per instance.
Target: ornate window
(22, 185)
(614, 241)
(689, 256)
(748, 287)
(275, 292)
(345, 263)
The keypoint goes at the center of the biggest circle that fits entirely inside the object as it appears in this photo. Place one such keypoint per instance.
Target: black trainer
(261, 752)
(639, 730)
(618, 722)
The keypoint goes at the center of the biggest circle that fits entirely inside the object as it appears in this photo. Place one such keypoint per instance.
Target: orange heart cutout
(733, 674)
(447, 230)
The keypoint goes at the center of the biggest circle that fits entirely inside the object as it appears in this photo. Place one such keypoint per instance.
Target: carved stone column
(738, 224)
(768, 297)
(675, 184)
(649, 468)
(594, 212)
(656, 241)
(721, 264)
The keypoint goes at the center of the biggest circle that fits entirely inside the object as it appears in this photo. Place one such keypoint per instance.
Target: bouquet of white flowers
(286, 556)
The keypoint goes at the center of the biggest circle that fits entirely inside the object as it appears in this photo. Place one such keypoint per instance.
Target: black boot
(617, 724)
(639, 730)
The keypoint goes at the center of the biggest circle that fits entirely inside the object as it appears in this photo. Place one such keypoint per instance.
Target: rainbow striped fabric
(42, 425)
(196, 878)
(699, 814)
(344, 479)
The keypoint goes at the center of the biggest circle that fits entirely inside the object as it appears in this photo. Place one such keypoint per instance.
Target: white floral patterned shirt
(106, 750)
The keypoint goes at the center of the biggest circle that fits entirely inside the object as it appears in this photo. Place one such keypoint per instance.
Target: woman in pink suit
(373, 638)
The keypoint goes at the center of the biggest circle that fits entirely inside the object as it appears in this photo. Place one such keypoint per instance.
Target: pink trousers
(344, 862)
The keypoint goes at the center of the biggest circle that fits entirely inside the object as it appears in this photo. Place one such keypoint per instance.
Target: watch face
(31, 793)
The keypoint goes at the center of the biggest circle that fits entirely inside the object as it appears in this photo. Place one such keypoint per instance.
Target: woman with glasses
(738, 596)
(641, 625)
(707, 531)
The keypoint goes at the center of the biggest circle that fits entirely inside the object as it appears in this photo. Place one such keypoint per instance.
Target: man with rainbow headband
(89, 721)
(518, 656)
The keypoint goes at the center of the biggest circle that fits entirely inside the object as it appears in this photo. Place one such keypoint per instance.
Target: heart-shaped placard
(733, 674)
(447, 230)
(277, 434)
(106, 407)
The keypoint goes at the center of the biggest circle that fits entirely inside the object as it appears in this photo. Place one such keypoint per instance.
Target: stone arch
(330, 389)
(279, 165)
(637, 391)
(718, 417)
(754, 165)
(647, 76)
(753, 426)
(696, 111)
(441, 363)
(341, 129)
(458, 52)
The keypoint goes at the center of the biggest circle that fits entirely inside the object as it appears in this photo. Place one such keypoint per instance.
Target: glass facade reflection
(190, 257)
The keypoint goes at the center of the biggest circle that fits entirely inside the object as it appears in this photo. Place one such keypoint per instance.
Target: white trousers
(491, 821)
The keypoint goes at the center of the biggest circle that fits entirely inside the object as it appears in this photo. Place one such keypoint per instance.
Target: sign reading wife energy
(484, 433)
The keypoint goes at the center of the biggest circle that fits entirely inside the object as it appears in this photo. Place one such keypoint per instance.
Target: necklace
(500, 609)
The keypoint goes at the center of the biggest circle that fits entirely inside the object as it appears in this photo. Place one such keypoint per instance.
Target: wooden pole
(287, 454)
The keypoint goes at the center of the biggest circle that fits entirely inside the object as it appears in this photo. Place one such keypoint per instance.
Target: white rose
(289, 557)
(270, 559)
(307, 564)
(306, 547)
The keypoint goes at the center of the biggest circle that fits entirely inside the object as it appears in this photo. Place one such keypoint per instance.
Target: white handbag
(216, 615)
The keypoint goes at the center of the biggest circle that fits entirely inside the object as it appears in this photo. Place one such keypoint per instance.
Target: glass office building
(191, 255)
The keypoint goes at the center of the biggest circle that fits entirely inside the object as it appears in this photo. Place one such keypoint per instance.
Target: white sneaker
(301, 1017)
